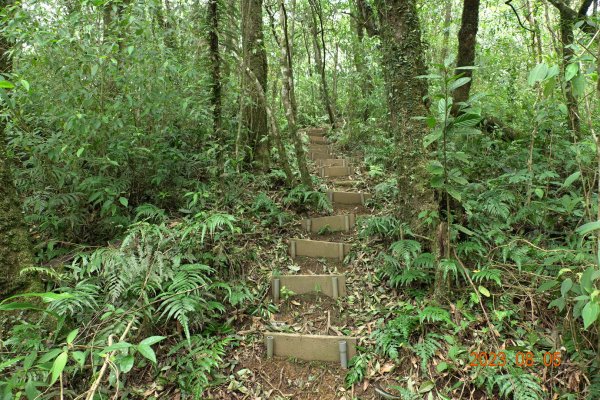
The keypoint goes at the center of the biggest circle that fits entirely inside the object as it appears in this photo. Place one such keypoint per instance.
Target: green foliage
(301, 196)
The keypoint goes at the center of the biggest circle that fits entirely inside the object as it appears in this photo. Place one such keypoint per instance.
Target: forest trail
(305, 348)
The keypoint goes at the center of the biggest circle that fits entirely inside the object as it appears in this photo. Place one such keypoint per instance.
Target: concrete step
(311, 347)
(317, 131)
(333, 162)
(346, 183)
(318, 249)
(319, 155)
(333, 286)
(348, 197)
(319, 147)
(318, 140)
(335, 223)
(333, 172)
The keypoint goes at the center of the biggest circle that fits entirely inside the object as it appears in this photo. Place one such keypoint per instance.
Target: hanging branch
(509, 3)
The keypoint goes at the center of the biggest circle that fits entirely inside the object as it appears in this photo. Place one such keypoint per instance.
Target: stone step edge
(318, 249)
(332, 285)
(311, 347)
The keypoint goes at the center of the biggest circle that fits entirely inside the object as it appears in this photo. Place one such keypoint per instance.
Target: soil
(319, 266)
(310, 313)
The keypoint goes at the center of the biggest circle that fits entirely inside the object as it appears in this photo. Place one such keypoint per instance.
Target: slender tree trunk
(567, 38)
(536, 37)
(467, 40)
(287, 96)
(262, 98)
(403, 62)
(318, 36)
(216, 86)
(15, 249)
(254, 113)
(446, 38)
(366, 82)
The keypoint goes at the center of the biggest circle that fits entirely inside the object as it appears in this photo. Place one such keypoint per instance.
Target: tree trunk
(366, 81)
(254, 113)
(567, 37)
(288, 96)
(317, 30)
(467, 39)
(15, 249)
(216, 86)
(446, 39)
(403, 62)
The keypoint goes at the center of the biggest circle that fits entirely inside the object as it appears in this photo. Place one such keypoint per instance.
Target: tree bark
(15, 248)
(318, 36)
(366, 81)
(288, 95)
(446, 39)
(467, 40)
(567, 38)
(254, 113)
(403, 62)
(216, 86)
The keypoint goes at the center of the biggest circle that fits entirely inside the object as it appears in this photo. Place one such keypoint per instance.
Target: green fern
(488, 274)
(427, 348)
(520, 384)
(406, 250)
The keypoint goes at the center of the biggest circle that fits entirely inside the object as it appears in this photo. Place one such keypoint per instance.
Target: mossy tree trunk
(254, 113)
(403, 62)
(15, 249)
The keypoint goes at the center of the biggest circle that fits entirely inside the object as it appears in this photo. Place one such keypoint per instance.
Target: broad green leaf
(51, 355)
(559, 303)
(589, 227)
(547, 285)
(79, 357)
(483, 290)
(25, 84)
(72, 335)
(59, 365)
(80, 151)
(152, 340)
(432, 137)
(6, 84)
(586, 280)
(578, 84)
(539, 192)
(566, 286)
(126, 363)
(426, 386)
(147, 352)
(124, 201)
(458, 83)
(572, 178)
(454, 193)
(94, 70)
(116, 346)
(537, 74)
(441, 367)
(466, 121)
(590, 314)
(571, 71)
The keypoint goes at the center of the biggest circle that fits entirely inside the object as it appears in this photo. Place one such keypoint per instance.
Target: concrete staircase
(326, 348)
